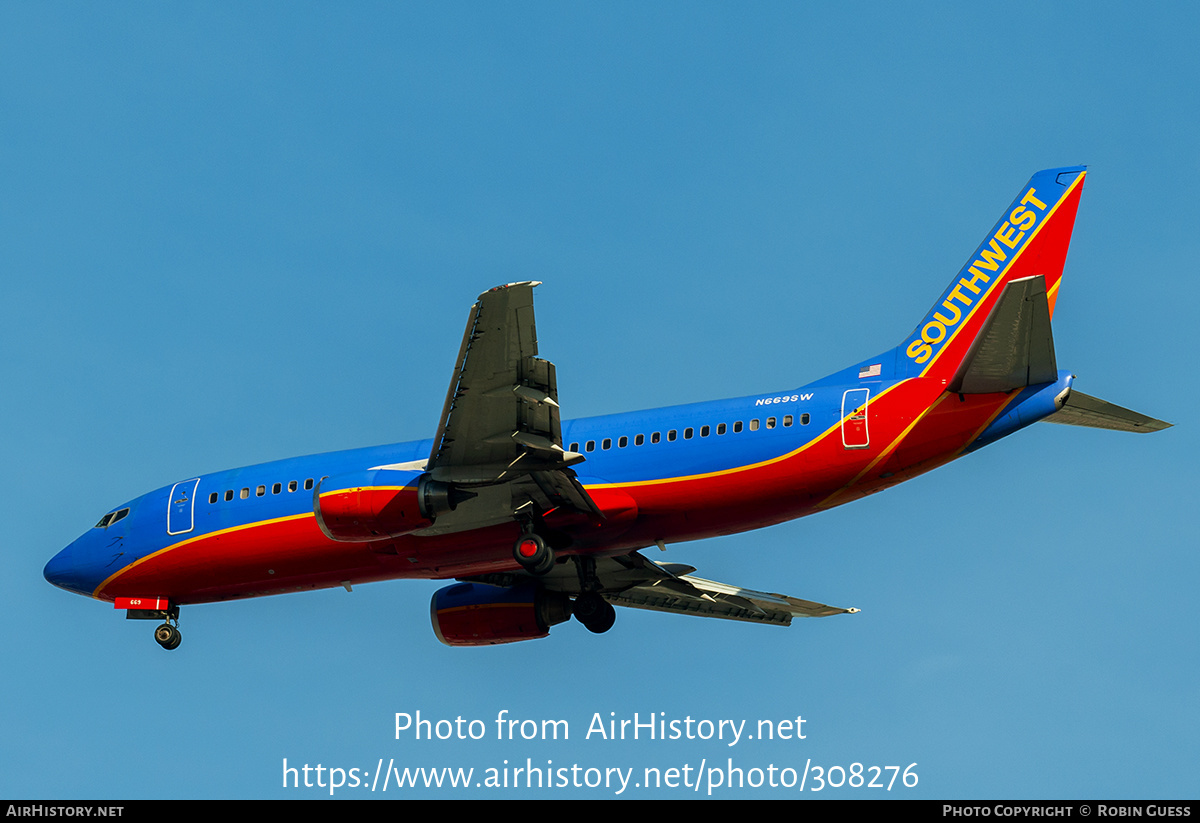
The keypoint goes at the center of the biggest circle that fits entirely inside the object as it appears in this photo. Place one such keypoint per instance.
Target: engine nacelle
(374, 505)
(475, 614)
(370, 505)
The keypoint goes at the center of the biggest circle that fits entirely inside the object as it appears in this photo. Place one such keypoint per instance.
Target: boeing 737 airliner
(541, 519)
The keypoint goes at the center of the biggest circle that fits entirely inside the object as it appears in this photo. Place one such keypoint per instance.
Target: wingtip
(530, 283)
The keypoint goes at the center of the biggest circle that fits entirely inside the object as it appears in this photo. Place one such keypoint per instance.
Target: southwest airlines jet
(541, 519)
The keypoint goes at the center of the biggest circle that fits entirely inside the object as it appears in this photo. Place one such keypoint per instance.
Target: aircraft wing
(501, 417)
(637, 582)
(500, 434)
(685, 594)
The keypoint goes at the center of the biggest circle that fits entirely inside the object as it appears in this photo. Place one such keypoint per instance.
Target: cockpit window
(112, 517)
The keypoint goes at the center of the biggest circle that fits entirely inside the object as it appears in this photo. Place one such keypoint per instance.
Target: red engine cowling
(370, 505)
(374, 505)
(475, 614)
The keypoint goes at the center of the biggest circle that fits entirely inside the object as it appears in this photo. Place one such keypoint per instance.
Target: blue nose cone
(64, 570)
(58, 570)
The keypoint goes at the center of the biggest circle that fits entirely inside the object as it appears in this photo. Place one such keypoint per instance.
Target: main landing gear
(595, 613)
(167, 635)
(533, 554)
(537, 558)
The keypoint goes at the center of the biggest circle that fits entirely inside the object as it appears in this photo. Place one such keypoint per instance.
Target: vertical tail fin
(1030, 240)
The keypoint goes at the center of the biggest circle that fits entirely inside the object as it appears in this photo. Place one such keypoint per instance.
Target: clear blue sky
(239, 232)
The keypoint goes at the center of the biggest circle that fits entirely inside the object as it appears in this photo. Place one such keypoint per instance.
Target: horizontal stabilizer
(1084, 410)
(1015, 347)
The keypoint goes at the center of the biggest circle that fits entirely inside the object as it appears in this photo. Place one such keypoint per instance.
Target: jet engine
(475, 614)
(374, 505)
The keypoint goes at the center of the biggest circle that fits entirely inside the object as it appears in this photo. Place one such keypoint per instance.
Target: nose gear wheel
(167, 635)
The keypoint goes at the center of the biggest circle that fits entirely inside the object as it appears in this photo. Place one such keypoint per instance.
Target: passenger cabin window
(590, 445)
(704, 431)
(245, 493)
(687, 433)
(574, 447)
(607, 444)
(292, 486)
(787, 420)
(770, 422)
(261, 491)
(308, 484)
(737, 427)
(671, 435)
(720, 428)
(228, 494)
(622, 442)
(754, 425)
(639, 439)
(804, 419)
(212, 498)
(277, 488)
(654, 438)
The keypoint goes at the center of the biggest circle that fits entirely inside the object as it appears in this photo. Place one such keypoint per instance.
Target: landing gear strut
(595, 613)
(167, 635)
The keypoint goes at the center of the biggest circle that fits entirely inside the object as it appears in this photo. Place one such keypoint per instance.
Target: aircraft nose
(58, 570)
(67, 570)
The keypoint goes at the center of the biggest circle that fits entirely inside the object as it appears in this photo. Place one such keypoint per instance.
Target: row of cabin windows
(689, 433)
(261, 491)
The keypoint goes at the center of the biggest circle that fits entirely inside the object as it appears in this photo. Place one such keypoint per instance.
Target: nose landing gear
(167, 635)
